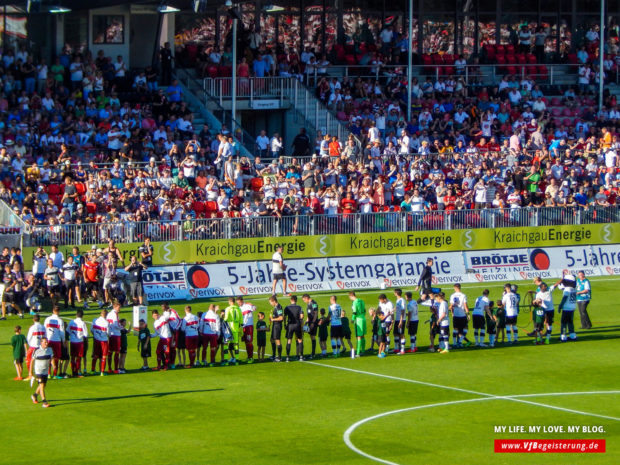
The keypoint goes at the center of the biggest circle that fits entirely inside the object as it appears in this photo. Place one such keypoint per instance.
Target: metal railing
(249, 88)
(486, 74)
(196, 87)
(344, 223)
(303, 100)
(9, 219)
(482, 74)
(316, 113)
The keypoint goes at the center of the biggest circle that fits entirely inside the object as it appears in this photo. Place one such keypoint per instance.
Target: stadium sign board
(339, 274)
(365, 244)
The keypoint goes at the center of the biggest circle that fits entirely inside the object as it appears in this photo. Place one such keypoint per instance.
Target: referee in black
(294, 317)
(426, 278)
(312, 319)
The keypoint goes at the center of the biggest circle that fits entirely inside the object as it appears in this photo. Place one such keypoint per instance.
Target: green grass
(297, 413)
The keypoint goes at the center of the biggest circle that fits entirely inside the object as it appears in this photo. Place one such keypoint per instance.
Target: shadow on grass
(154, 395)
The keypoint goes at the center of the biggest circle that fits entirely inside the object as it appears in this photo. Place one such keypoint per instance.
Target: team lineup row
(215, 328)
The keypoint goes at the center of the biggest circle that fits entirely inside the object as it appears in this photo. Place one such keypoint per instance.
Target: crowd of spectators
(89, 142)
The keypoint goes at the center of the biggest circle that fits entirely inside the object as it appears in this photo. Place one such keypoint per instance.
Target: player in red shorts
(115, 336)
(190, 325)
(101, 337)
(78, 332)
(162, 329)
(247, 310)
(55, 329)
(209, 332)
(174, 323)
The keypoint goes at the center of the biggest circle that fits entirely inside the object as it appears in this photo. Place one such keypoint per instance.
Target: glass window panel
(108, 29)
(76, 32)
(438, 36)
(193, 28)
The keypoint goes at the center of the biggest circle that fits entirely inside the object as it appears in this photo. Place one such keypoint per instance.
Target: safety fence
(389, 219)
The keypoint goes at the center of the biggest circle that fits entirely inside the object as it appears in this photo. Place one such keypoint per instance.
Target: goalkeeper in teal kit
(359, 322)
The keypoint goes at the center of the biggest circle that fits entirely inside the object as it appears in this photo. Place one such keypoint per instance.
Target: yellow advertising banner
(346, 245)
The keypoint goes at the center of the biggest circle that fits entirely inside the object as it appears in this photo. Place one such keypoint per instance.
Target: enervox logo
(539, 259)
(167, 252)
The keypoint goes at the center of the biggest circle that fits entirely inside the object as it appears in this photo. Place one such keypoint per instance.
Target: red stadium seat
(80, 188)
(543, 72)
(212, 72)
(54, 189)
(198, 207)
(256, 184)
(211, 206)
(350, 60)
(91, 208)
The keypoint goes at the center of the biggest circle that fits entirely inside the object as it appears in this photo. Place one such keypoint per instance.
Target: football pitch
(417, 408)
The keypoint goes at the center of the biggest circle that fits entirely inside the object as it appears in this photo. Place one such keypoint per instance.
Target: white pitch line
(467, 391)
(353, 427)
(406, 380)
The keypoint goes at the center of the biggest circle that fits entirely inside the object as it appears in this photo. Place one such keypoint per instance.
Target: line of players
(223, 329)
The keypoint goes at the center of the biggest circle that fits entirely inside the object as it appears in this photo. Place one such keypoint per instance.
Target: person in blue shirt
(581, 198)
(174, 91)
(260, 66)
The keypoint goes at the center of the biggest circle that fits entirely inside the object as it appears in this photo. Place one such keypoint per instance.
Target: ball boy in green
(19, 345)
(538, 317)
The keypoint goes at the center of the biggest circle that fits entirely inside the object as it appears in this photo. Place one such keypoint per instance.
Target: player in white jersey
(510, 302)
(388, 312)
(544, 299)
(191, 326)
(162, 330)
(247, 311)
(55, 331)
(174, 322)
(478, 315)
(114, 346)
(443, 321)
(412, 321)
(400, 315)
(101, 339)
(209, 332)
(335, 319)
(40, 366)
(460, 317)
(567, 307)
(78, 333)
(35, 333)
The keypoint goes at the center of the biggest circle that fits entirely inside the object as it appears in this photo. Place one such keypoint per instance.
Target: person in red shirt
(334, 147)
(91, 278)
(348, 204)
(450, 200)
(482, 145)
